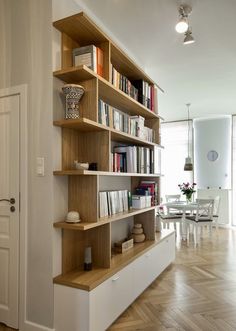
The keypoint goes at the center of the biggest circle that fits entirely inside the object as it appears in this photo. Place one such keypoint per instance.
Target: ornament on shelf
(73, 217)
(73, 94)
(137, 233)
(88, 259)
(81, 165)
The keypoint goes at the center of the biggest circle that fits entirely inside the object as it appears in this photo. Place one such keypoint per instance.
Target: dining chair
(216, 212)
(203, 216)
(168, 218)
(173, 198)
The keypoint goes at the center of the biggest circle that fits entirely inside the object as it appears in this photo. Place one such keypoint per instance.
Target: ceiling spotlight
(182, 25)
(184, 12)
(188, 37)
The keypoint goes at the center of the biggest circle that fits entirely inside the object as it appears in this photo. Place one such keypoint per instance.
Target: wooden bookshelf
(86, 140)
(89, 280)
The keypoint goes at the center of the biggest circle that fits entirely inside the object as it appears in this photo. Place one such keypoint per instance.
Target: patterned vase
(73, 94)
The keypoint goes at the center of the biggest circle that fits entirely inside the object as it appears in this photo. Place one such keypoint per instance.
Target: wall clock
(212, 156)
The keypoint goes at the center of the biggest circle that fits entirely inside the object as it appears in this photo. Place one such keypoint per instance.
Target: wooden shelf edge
(87, 73)
(101, 173)
(89, 280)
(83, 226)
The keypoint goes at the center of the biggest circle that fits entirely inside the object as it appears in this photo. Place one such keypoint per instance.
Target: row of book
(113, 202)
(139, 90)
(116, 119)
(91, 56)
(150, 188)
(147, 94)
(123, 83)
(136, 159)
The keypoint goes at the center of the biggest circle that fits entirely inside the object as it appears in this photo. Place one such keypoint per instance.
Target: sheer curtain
(174, 138)
(234, 171)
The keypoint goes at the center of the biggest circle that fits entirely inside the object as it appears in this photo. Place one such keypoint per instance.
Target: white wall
(25, 36)
(212, 134)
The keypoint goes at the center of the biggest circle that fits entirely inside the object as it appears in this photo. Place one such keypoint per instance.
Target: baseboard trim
(30, 326)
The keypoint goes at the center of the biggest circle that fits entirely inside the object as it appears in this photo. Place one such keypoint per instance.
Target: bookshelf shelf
(100, 173)
(107, 91)
(89, 280)
(83, 226)
(86, 125)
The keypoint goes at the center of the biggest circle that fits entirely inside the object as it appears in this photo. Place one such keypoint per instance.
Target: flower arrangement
(187, 189)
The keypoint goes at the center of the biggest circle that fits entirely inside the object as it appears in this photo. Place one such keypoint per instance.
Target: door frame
(21, 90)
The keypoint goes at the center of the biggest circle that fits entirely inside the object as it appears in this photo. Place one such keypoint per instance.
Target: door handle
(12, 201)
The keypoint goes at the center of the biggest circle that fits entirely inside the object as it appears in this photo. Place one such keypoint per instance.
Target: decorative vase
(189, 197)
(73, 94)
(158, 224)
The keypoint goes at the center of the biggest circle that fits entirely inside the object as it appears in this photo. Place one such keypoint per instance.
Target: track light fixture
(183, 24)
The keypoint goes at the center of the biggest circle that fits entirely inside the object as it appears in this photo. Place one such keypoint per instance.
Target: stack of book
(113, 202)
(133, 159)
(150, 188)
(124, 84)
(116, 119)
(147, 94)
(91, 56)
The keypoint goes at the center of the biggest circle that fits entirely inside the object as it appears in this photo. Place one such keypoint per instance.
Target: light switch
(40, 166)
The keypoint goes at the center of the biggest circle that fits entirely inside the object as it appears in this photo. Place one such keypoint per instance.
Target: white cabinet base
(79, 310)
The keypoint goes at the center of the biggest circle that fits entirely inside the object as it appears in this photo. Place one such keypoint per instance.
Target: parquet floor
(197, 292)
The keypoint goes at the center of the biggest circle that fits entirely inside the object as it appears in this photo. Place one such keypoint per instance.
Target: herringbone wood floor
(197, 292)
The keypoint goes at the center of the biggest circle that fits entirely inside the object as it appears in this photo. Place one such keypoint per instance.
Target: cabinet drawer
(110, 299)
(152, 263)
(141, 273)
(163, 254)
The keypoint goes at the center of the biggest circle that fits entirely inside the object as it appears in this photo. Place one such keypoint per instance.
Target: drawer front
(141, 273)
(162, 256)
(149, 266)
(110, 299)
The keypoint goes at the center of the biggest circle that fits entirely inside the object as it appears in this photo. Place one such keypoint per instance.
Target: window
(174, 138)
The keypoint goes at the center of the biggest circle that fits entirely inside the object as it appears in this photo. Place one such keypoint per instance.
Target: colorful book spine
(100, 61)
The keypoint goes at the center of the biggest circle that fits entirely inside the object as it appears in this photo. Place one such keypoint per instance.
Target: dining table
(183, 207)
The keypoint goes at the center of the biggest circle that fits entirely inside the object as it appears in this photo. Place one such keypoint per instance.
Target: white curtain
(234, 171)
(174, 138)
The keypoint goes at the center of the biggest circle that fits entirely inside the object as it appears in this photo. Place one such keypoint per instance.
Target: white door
(9, 210)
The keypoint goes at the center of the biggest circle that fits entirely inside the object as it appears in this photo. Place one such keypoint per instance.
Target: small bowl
(81, 166)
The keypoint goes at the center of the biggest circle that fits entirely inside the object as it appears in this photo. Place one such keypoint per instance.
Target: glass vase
(189, 197)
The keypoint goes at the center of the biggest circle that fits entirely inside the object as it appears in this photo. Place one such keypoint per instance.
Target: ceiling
(203, 73)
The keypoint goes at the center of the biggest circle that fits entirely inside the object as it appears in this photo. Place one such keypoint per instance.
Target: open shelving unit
(85, 281)
(86, 139)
